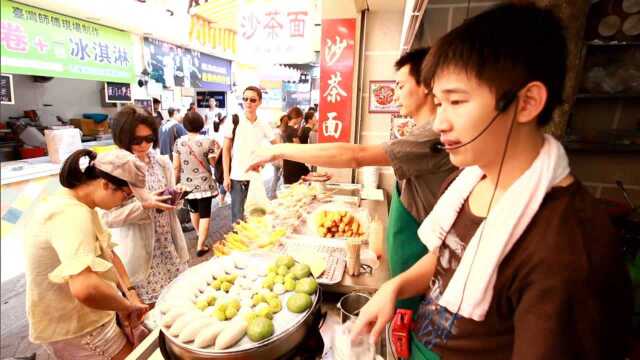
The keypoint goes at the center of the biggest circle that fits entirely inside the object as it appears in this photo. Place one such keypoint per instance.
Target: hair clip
(85, 162)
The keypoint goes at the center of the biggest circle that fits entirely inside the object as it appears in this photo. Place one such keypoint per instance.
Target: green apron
(404, 248)
(419, 351)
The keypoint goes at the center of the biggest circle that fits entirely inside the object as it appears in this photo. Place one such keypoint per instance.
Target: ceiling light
(170, 12)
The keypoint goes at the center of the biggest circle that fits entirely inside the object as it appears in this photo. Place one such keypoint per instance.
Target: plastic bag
(257, 200)
(344, 348)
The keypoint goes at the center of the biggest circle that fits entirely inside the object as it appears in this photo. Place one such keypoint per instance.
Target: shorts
(201, 206)
(104, 342)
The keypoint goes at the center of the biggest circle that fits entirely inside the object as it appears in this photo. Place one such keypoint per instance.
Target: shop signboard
(44, 43)
(174, 66)
(6, 89)
(336, 80)
(117, 92)
(205, 33)
(146, 104)
(275, 32)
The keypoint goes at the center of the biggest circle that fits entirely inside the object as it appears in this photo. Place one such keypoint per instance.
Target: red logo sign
(336, 80)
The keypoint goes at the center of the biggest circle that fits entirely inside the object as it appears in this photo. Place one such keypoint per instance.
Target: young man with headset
(419, 170)
(523, 263)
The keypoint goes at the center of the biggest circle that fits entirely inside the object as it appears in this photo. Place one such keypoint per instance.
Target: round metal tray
(289, 327)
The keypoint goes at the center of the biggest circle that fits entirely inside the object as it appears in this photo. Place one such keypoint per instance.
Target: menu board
(6, 89)
(117, 92)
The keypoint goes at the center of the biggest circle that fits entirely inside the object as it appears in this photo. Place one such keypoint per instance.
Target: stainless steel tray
(183, 289)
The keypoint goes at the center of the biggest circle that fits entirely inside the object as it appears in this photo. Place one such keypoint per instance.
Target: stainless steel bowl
(271, 348)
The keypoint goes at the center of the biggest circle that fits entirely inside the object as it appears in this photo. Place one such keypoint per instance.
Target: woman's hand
(157, 201)
(379, 311)
(134, 314)
(227, 185)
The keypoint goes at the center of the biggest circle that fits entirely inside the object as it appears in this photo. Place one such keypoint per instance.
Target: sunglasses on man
(251, 100)
(138, 140)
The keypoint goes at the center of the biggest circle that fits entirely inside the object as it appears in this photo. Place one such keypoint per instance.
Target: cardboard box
(90, 127)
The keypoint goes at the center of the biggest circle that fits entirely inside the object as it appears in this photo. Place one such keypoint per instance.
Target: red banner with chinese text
(336, 80)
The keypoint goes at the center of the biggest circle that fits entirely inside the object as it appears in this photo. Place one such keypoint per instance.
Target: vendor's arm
(334, 155)
(380, 309)
(414, 155)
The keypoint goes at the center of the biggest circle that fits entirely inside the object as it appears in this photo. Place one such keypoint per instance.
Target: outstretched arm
(335, 155)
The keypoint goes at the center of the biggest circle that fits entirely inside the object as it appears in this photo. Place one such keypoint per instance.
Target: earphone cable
(486, 220)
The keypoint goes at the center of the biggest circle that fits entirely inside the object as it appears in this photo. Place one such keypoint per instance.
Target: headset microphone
(501, 106)
(436, 147)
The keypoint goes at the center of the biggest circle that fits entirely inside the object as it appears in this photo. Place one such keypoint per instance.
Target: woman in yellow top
(72, 272)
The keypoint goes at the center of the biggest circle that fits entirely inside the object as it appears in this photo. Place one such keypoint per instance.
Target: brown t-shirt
(562, 292)
(419, 170)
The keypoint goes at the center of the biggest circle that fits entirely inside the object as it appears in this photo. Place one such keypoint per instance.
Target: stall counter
(149, 349)
(364, 283)
(29, 169)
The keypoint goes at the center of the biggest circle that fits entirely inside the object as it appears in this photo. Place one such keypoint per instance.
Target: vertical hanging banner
(336, 80)
(275, 32)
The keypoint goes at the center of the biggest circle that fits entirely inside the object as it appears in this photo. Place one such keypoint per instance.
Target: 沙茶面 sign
(275, 32)
(40, 42)
(336, 80)
(174, 66)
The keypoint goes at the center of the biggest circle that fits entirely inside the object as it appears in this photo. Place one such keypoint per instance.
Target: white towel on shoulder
(507, 220)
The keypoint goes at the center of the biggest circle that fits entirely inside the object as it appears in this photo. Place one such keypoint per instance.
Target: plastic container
(27, 152)
(350, 305)
(97, 117)
(370, 175)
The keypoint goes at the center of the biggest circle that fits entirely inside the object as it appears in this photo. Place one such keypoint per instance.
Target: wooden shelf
(572, 146)
(612, 43)
(607, 96)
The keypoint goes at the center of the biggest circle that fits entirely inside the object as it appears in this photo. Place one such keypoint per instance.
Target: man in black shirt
(156, 111)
